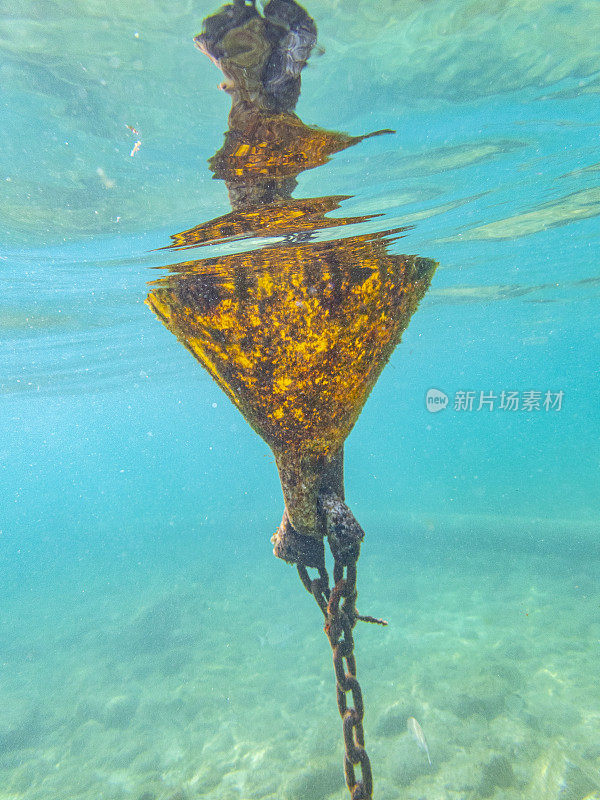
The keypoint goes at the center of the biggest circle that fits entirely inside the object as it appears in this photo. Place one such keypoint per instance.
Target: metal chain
(339, 609)
(318, 587)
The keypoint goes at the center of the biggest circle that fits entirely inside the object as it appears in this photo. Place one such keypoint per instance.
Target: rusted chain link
(339, 609)
(318, 587)
(338, 627)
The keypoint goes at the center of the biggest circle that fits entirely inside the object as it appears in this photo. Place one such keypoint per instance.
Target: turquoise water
(151, 646)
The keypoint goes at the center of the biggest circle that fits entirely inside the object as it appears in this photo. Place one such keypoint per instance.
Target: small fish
(416, 731)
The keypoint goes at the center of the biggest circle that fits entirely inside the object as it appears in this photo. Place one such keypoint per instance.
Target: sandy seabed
(218, 683)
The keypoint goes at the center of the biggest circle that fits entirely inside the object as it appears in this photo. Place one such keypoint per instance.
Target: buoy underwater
(296, 331)
(296, 336)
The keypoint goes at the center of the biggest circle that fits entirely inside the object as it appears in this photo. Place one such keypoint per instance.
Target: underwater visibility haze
(380, 241)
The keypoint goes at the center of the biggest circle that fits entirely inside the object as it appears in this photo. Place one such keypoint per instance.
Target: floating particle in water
(107, 182)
